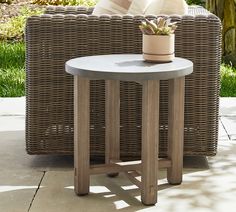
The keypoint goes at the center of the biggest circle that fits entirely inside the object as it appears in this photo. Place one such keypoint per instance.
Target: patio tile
(13, 151)
(107, 194)
(17, 189)
(196, 162)
(12, 106)
(206, 187)
(201, 190)
(12, 123)
(226, 154)
(227, 106)
(222, 131)
(229, 123)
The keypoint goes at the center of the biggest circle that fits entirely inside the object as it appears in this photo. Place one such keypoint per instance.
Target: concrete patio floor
(45, 183)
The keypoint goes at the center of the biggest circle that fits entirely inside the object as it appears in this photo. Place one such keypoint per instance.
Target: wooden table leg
(112, 113)
(81, 135)
(175, 129)
(150, 141)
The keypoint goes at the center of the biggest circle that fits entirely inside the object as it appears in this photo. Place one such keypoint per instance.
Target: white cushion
(132, 7)
(167, 7)
(138, 6)
(112, 7)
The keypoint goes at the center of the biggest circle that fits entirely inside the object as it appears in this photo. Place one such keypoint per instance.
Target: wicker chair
(67, 32)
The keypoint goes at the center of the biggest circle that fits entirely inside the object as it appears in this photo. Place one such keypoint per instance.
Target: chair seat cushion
(167, 7)
(122, 7)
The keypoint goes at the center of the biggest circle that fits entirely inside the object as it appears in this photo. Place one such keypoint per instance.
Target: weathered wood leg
(175, 130)
(150, 141)
(81, 135)
(112, 111)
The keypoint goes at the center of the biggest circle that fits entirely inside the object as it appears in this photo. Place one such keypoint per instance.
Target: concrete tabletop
(127, 67)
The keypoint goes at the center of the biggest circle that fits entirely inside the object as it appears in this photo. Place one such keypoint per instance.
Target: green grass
(12, 69)
(228, 81)
(195, 2)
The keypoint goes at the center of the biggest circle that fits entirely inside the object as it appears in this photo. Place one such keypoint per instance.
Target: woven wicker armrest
(65, 33)
(68, 10)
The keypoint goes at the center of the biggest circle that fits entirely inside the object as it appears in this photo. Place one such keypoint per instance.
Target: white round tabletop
(127, 67)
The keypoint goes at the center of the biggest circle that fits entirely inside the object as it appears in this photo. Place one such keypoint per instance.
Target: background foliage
(228, 81)
(12, 49)
(65, 2)
(14, 28)
(226, 11)
(6, 1)
(12, 73)
(196, 2)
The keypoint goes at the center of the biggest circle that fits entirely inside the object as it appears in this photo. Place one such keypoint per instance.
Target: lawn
(12, 69)
(228, 81)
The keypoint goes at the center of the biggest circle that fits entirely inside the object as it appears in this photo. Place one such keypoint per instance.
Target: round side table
(129, 67)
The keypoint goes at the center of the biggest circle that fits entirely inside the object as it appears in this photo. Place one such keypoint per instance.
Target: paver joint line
(31, 203)
(225, 129)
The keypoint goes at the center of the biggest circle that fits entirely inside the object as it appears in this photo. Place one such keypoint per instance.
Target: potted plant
(158, 39)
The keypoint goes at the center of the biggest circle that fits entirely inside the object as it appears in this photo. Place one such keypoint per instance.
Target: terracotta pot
(159, 48)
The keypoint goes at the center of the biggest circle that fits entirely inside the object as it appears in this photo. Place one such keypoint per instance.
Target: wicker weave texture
(53, 38)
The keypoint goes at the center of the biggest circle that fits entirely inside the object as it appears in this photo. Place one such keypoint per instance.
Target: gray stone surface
(227, 106)
(12, 114)
(209, 185)
(106, 194)
(127, 67)
(228, 116)
(14, 156)
(211, 190)
(17, 189)
(12, 106)
(197, 162)
(229, 123)
(12, 123)
(223, 136)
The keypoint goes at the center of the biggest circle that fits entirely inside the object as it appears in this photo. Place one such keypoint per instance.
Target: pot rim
(160, 35)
